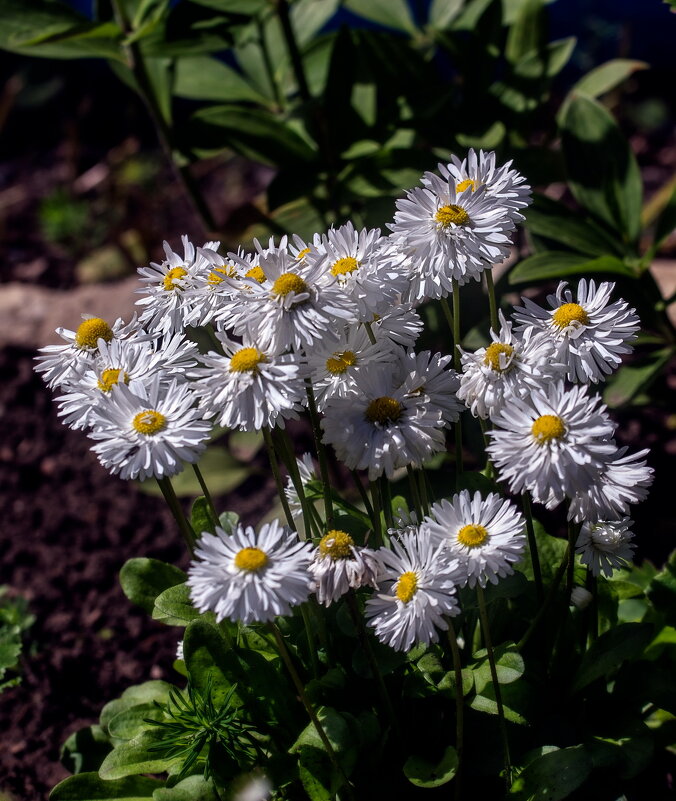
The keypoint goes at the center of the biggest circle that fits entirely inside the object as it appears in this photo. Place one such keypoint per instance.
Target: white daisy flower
(507, 186)
(215, 284)
(590, 334)
(358, 261)
(551, 443)
(449, 235)
(168, 307)
(308, 473)
(486, 535)
(622, 480)
(291, 307)
(511, 366)
(250, 577)
(430, 375)
(417, 581)
(153, 435)
(66, 363)
(381, 427)
(249, 387)
(606, 546)
(400, 327)
(339, 565)
(333, 364)
(130, 362)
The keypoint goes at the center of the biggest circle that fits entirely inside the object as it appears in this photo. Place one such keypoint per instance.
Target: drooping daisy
(487, 535)
(168, 308)
(339, 565)
(250, 387)
(622, 480)
(551, 443)
(334, 364)
(152, 435)
(417, 584)
(370, 275)
(129, 362)
(590, 333)
(606, 546)
(291, 307)
(448, 235)
(511, 366)
(250, 577)
(381, 427)
(63, 363)
(506, 185)
(430, 375)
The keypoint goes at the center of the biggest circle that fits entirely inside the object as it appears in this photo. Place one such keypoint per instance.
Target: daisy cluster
(332, 323)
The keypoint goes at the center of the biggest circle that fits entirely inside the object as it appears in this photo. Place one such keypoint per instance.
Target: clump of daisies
(328, 329)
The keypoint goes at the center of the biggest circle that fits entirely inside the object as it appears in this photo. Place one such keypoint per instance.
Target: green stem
(459, 704)
(358, 621)
(294, 52)
(533, 546)
(369, 331)
(375, 497)
(448, 314)
(207, 494)
(364, 496)
(289, 459)
(298, 684)
(592, 587)
(274, 464)
(312, 649)
(386, 499)
(457, 427)
(267, 63)
(553, 587)
(573, 531)
(321, 452)
(485, 628)
(492, 302)
(422, 480)
(173, 503)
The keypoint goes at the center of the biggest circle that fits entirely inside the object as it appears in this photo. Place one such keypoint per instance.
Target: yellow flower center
(472, 535)
(339, 362)
(344, 266)
(90, 331)
(407, 586)
(175, 274)
(251, 559)
(383, 410)
(110, 377)
(494, 352)
(256, 273)
(302, 254)
(570, 313)
(547, 428)
(246, 360)
(336, 544)
(451, 215)
(466, 185)
(149, 422)
(289, 282)
(215, 277)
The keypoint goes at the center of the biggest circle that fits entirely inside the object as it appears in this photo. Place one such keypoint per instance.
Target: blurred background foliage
(338, 107)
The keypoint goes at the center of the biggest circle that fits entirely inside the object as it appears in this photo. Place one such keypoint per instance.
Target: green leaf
(509, 667)
(550, 550)
(207, 78)
(221, 471)
(392, 13)
(546, 62)
(553, 776)
(144, 693)
(525, 34)
(666, 222)
(316, 774)
(143, 579)
(447, 682)
(173, 606)
(200, 517)
(135, 757)
(254, 133)
(631, 379)
(516, 701)
(422, 773)
(662, 590)
(469, 17)
(85, 749)
(607, 76)
(602, 172)
(559, 264)
(228, 521)
(91, 787)
(131, 722)
(308, 17)
(443, 12)
(553, 220)
(192, 788)
(606, 654)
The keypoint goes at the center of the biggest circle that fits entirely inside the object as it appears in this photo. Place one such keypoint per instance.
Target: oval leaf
(91, 787)
(143, 579)
(423, 774)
